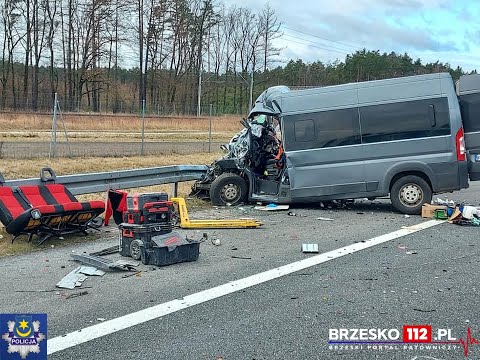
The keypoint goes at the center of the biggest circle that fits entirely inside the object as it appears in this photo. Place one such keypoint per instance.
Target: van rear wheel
(228, 189)
(409, 193)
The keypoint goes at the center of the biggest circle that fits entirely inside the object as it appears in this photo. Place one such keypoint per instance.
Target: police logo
(24, 336)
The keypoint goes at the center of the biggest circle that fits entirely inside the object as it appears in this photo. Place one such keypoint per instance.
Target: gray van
(401, 137)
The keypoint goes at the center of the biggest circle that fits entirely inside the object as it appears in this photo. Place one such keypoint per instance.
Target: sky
(444, 30)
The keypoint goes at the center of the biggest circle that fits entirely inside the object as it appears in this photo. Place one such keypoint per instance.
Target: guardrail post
(175, 189)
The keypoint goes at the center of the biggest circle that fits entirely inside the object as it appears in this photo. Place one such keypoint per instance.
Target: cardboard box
(428, 210)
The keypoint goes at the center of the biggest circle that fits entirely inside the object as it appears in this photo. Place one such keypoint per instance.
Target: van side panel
(319, 163)
(323, 172)
(426, 148)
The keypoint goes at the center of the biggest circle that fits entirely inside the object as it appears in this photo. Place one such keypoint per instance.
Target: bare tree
(12, 37)
(270, 30)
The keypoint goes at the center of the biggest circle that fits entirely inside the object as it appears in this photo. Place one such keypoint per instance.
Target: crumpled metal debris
(105, 264)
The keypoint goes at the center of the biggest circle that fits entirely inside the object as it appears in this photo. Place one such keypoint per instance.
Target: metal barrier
(79, 184)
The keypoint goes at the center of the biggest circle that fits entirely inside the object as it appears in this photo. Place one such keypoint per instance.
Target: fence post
(210, 130)
(53, 139)
(143, 126)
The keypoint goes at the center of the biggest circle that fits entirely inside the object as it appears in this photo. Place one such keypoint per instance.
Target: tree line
(163, 56)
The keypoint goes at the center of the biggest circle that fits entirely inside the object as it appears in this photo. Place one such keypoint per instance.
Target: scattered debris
(107, 251)
(465, 215)
(72, 279)
(446, 202)
(137, 273)
(216, 242)
(90, 270)
(105, 264)
(324, 219)
(469, 212)
(440, 214)
(428, 210)
(241, 257)
(290, 213)
(272, 207)
(301, 274)
(411, 253)
(424, 311)
(80, 293)
(128, 263)
(34, 291)
(337, 204)
(406, 216)
(101, 319)
(310, 248)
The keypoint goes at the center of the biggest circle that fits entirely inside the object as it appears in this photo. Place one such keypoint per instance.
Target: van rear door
(468, 90)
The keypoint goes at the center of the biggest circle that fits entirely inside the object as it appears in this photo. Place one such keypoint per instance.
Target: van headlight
(36, 214)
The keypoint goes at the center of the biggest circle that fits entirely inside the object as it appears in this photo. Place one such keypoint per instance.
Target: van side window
(405, 120)
(337, 128)
(321, 129)
(470, 108)
(304, 130)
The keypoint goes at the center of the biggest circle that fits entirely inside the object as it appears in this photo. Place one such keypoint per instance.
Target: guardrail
(79, 184)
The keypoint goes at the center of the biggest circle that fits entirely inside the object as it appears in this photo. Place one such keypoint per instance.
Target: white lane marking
(75, 338)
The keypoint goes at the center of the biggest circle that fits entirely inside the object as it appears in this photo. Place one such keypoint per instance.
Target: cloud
(442, 27)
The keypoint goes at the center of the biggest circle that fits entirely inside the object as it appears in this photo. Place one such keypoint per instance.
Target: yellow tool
(186, 223)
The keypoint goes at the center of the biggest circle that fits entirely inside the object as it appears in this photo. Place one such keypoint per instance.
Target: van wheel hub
(411, 194)
(230, 192)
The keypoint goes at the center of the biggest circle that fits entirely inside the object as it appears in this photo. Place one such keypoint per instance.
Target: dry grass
(114, 136)
(20, 169)
(99, 122)
(27, 168)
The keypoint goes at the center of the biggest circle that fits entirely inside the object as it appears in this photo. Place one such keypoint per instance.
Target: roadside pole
(210, 130)
(143, 127)
(53, 139)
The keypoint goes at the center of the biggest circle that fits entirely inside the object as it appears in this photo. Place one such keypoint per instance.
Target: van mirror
(431, 115)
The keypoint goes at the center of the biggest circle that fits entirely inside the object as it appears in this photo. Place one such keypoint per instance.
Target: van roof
(278, 99)
(367, 84)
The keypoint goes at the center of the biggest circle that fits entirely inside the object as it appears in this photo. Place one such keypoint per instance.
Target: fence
(45, 104)
(28, 150)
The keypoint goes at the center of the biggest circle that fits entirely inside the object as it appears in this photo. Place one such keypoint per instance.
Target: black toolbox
(132, 235)
(169, 249)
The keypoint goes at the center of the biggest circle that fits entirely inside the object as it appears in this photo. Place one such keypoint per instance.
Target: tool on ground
(186, 223)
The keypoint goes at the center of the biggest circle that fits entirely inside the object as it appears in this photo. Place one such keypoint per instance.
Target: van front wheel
(409, 193)
(228, 189)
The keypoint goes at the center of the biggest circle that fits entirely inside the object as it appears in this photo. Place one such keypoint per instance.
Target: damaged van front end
(253, 167)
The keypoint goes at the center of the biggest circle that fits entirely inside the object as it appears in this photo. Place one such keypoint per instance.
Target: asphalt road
(429, 277)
